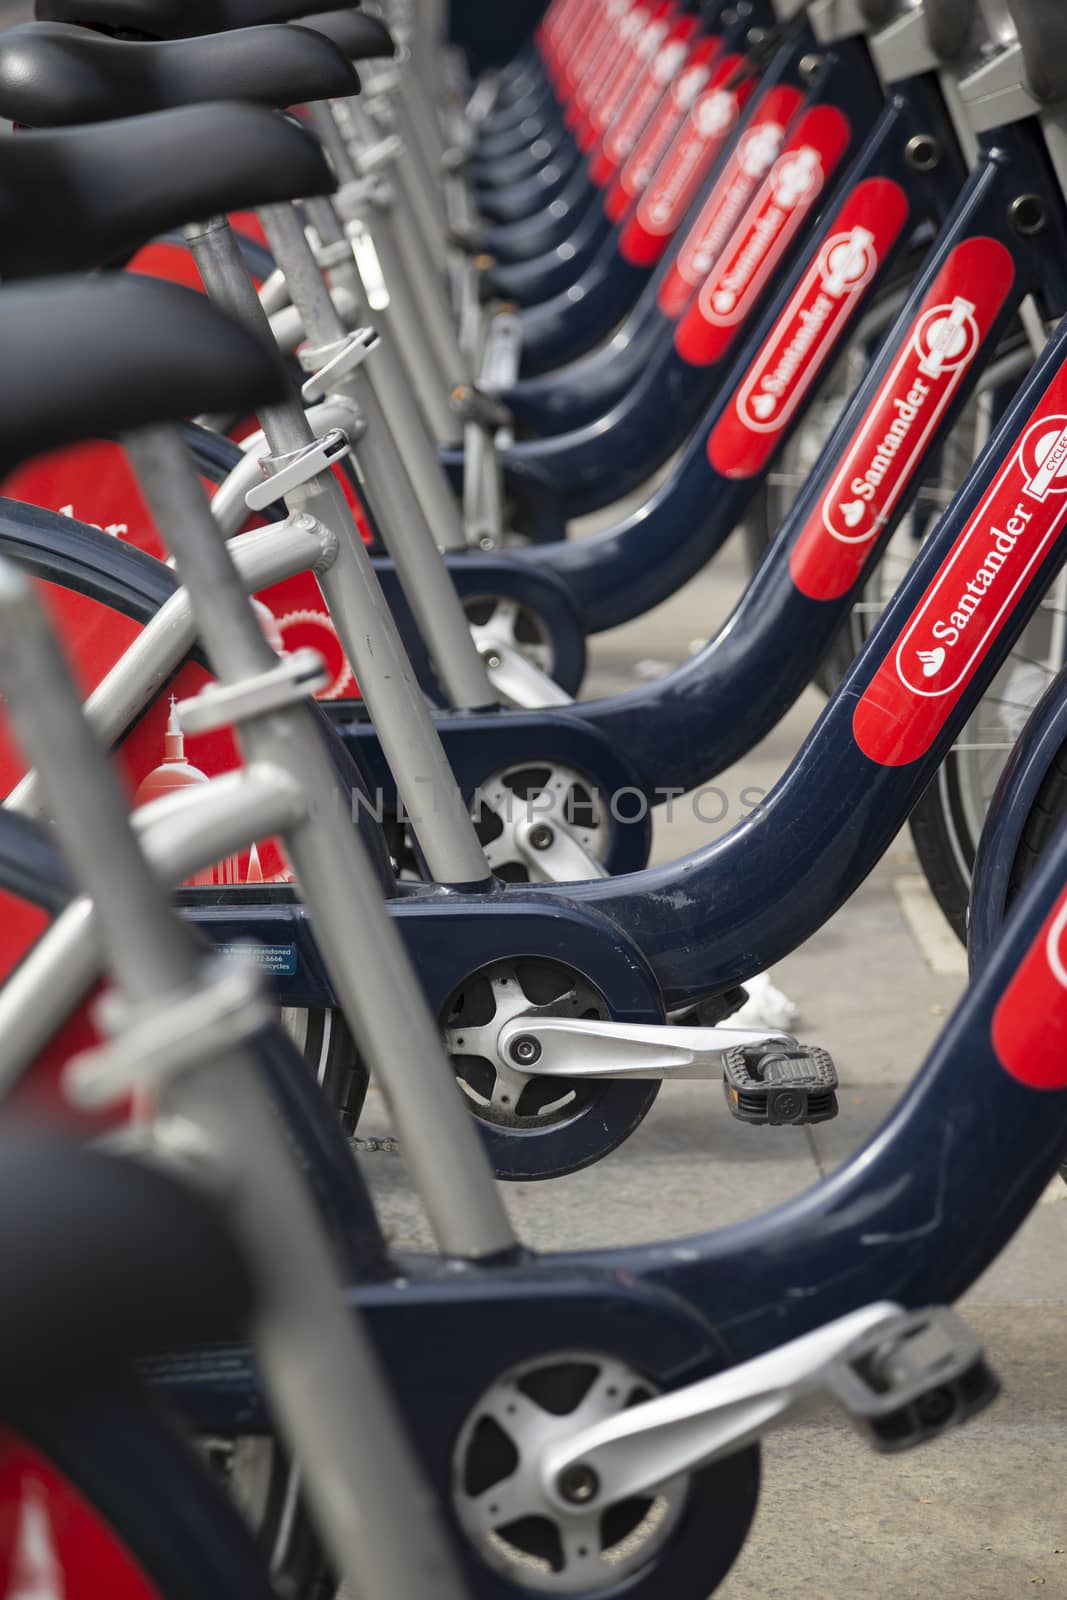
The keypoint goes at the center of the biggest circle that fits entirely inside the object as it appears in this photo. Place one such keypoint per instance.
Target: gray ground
(977, 1517)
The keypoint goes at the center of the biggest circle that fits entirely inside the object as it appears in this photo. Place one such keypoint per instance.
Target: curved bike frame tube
(913, 1217)
(697, 721)
(597, 382)
(640, 562)
(1002, 833)
(601, 462)
(744, 902)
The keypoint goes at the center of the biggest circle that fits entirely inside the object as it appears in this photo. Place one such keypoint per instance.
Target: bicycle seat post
(433, 803)
(365, 203)
(391, 383)
(408, 538)
(354, 1475)
(368, 964)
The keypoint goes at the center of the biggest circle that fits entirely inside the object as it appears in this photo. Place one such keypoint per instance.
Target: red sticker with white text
(1030, 1022)
(750, 161)
(673, 186)
(666, 61)
(890, 444)
(604, 50)
(786, 197)
(996, 557)
(655, 140)
(611, 112)
(793, 355)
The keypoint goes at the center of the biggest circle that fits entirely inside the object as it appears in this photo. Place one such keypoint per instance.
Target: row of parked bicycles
(313, 348)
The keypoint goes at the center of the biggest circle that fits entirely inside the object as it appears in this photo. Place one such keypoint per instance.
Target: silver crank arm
(901, 1378)
(566, 1047)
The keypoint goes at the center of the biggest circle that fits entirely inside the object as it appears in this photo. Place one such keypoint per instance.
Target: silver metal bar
(425, 204)
(352, 1473)
(372, 214)
(409, 539)
(424, 779)
(406, 421)
(428, 286)
(179, 835)
(367, 961)
(147, 949)
(568, 1047)
(629, 1455)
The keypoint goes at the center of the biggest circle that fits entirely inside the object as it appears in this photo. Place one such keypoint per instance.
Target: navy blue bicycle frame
(915, 1216)
(640, 561)
(703, 924)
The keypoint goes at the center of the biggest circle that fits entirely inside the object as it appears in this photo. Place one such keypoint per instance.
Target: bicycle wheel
(327, 1046)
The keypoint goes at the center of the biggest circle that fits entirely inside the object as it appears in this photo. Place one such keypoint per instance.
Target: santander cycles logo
(976, 588)
(996, 558)
(755, 155)
(944, 342)
(794, 179)
(843, 268)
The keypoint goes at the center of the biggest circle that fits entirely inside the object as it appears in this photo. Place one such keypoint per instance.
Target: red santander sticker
(1030, 1022)
(666, 63)
(793, 355)
(786, 197)
(656, 139)
(888, 447)
(672, 188)
(995, 558)
(749, 162)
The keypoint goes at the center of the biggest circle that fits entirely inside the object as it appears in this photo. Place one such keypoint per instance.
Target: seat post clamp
(283, 474)
(328, 256)
(358, 194)
(220, 705)
(148, 1046)
(382, 153)
(329, 363)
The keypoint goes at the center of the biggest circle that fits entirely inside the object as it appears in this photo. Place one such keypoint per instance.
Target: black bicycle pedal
(776, 1084)
(914, 1379)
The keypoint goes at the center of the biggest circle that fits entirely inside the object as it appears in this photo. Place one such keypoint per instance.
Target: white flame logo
(932, 661)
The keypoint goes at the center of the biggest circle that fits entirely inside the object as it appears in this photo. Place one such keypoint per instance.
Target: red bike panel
(887, 449)
(53, 1545)
(673, 186)
(907, 703)
(786, 198)
(756, 151)
(650, 149)
(825, 301)
(648, 94)
(1030, 1022)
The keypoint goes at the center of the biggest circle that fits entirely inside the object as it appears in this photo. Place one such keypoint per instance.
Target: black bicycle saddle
(173, 19)
(93, 357)
(361, 38)
(103, 1260)
(82, 198)
(54, 75)
(1042, 29)
(949, 24)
